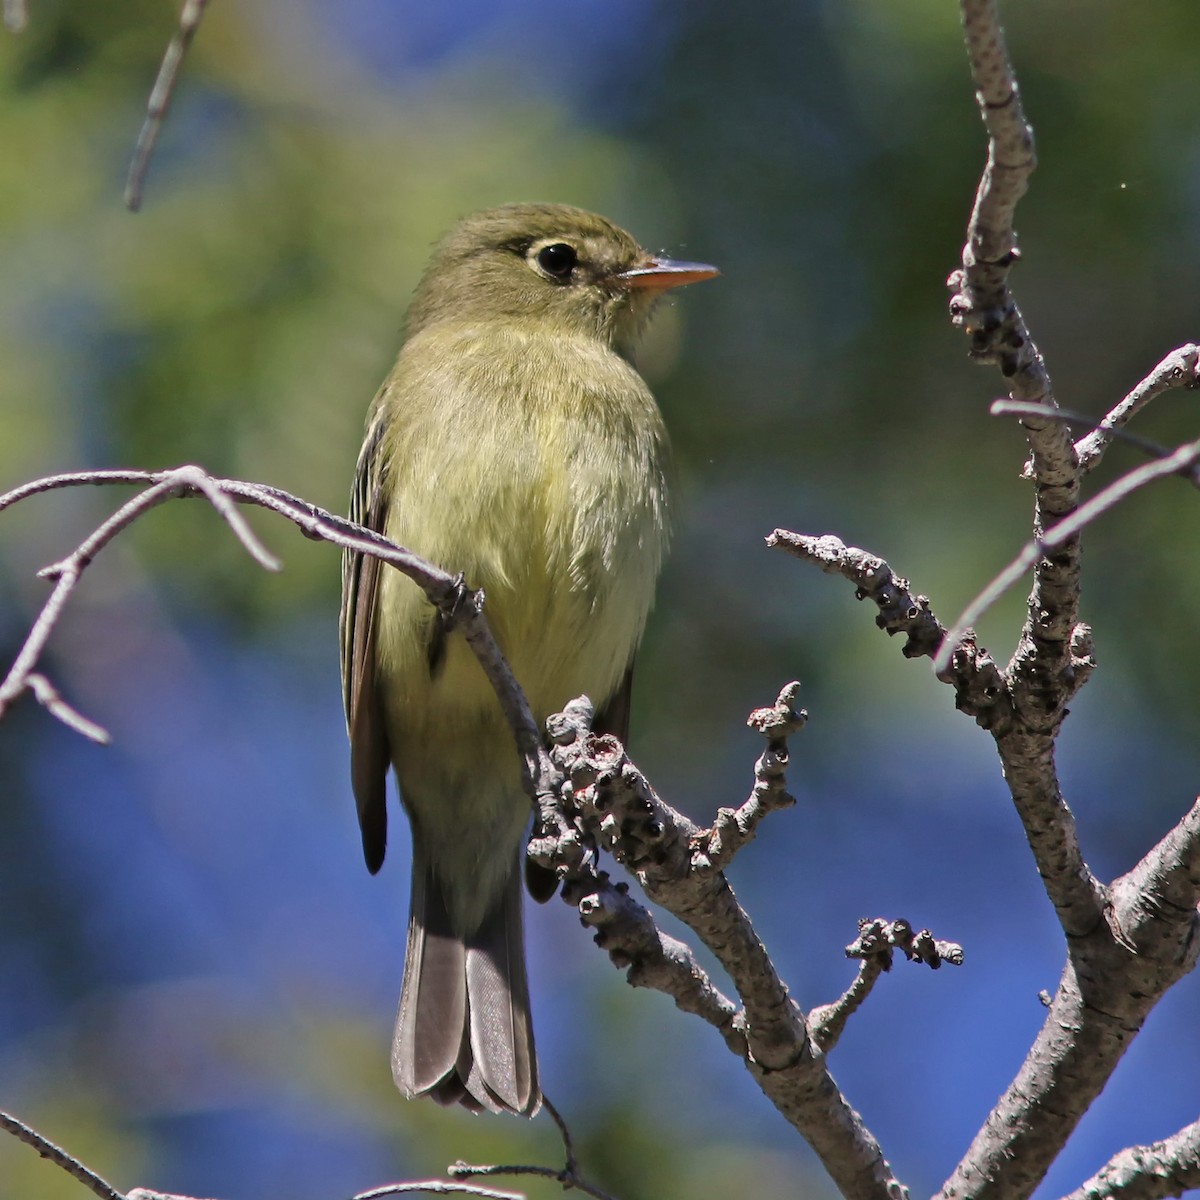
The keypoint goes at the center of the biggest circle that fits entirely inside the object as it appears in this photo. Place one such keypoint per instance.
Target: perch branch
(442, 589)
(616, 807)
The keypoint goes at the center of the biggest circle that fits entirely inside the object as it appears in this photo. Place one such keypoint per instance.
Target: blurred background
(197, 976)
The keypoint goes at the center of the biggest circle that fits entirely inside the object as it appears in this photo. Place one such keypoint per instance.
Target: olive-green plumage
(515, 443)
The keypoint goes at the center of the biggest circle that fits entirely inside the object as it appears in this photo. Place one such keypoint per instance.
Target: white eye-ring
(556, 260)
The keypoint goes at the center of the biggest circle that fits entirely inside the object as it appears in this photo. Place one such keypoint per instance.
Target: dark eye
(558, 260)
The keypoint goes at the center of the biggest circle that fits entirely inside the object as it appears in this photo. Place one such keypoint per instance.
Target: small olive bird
(515, 443)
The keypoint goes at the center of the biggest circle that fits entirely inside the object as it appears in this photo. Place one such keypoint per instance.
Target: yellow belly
(546, 489)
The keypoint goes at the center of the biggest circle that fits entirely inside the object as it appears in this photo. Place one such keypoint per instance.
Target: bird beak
(656, 273)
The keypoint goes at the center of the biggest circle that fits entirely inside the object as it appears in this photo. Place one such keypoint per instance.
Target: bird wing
(369, 751)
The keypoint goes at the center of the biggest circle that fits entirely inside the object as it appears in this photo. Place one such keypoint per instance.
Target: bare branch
(982, 304)
(160, 100)
(1158, 897)
(627, 932)
(879, 937)
(1040, 676)
(1167, 1168)
(983, 692)
(57, 1155)
(464, 1170)
(48, 697)
(614, 804)
(1178, 461)
(979, 689)
(1116, 972)
(874, 948)
(442, 589)
(67, 573)
(734, 828)
(828, 1022)
(432, 1187)
(568, 1175)
(1180, 369)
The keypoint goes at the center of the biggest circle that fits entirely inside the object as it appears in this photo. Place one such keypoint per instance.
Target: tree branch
(614, 804)
(874, 949)
(1166, 1168)
(160, 100)
(979, 688)
(57, 1155)
(1180, 369)
(1041, 676)
(985, 693)
(445, 591)
(734, 828)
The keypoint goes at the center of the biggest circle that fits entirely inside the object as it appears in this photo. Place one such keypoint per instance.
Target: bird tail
(463, 1031)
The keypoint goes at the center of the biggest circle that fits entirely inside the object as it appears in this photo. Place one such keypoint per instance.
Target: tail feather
(433, 998)
(463, 1030)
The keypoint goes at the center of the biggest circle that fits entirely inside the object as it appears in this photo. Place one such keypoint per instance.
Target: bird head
(550, 266)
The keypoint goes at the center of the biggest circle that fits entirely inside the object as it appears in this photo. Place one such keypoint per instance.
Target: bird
(514, 443)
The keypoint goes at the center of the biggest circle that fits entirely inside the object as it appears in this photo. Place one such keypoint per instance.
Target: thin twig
(57, 1155)
(160, 100)
(734, 828)
(1149, 447)
(875, 947)
(568, 1175)
(462, 1170)
(1180, 369)
(1179, 460)
(979, 688)
(564, 1132)
(66, 573)
(436, 1187)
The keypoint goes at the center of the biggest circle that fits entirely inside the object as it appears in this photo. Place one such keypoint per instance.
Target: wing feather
(370, 754)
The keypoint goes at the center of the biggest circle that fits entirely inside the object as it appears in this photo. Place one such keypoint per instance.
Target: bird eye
(558, 260)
